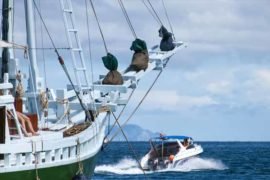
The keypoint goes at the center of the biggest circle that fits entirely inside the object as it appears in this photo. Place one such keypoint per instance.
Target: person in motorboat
(166, 150)
(185, 142)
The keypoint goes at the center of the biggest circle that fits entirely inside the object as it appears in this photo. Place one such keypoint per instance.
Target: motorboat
(168, 151)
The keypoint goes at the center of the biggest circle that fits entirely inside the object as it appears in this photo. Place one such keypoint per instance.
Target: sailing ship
(68, 124)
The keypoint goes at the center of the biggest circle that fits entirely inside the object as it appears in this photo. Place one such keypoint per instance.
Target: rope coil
(67, 110)
(19, 88)
(44, 102)
(76, 129)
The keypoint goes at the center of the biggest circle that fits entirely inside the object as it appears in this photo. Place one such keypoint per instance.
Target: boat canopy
(171, 137)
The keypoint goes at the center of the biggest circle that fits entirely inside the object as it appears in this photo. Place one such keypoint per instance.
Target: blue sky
(218, 88)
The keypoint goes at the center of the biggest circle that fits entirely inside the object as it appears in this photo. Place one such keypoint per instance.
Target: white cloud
(220, 87)
(172, 101)
(256, 89)
(262, 77)
(194, 75)
(210, 26)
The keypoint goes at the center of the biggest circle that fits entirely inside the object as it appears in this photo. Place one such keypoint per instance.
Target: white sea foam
(130, 166)
(198, 164)
(124, 166)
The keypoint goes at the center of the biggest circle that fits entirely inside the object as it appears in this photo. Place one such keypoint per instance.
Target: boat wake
(130, 166)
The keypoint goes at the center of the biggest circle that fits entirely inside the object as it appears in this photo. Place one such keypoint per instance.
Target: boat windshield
(164, 149)
(187, 142)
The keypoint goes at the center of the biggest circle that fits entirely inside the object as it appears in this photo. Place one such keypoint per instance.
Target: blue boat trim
(172, 137)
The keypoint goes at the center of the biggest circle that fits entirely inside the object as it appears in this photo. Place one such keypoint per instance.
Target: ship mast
(5, 28)
(8, 63)
(34, 81)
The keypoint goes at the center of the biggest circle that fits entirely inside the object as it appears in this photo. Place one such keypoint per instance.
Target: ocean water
(220, 160)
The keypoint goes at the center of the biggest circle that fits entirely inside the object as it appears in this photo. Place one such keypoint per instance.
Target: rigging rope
(89, 43)
(168, 19)
(61, 61)
(13, 22)
(80, 164)
(40, 16)
(130, 146)
(155, 13)
(43, 54)
(44, 95)
(90, 56)
(136, 108)
(120, 114)
(149, 10)
(43, 48)
(100, 30)
(127, 18)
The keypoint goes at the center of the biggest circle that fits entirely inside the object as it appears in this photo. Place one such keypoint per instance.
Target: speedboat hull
(169, 153)
(159, 164)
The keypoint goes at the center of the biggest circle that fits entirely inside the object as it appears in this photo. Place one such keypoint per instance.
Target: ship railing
(44, 152)
(157, 61)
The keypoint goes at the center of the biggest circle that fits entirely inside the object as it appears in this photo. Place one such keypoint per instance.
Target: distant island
(134, 133)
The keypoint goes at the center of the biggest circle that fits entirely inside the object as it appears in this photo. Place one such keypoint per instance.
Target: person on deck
(25, 121)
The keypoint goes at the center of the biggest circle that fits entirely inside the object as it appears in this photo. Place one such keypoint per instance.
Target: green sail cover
(138, 45)
(110, 62)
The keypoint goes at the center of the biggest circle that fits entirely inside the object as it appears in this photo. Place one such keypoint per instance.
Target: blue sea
(220, 160)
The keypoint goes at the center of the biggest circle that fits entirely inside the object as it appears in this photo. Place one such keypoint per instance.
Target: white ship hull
(44, 154)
